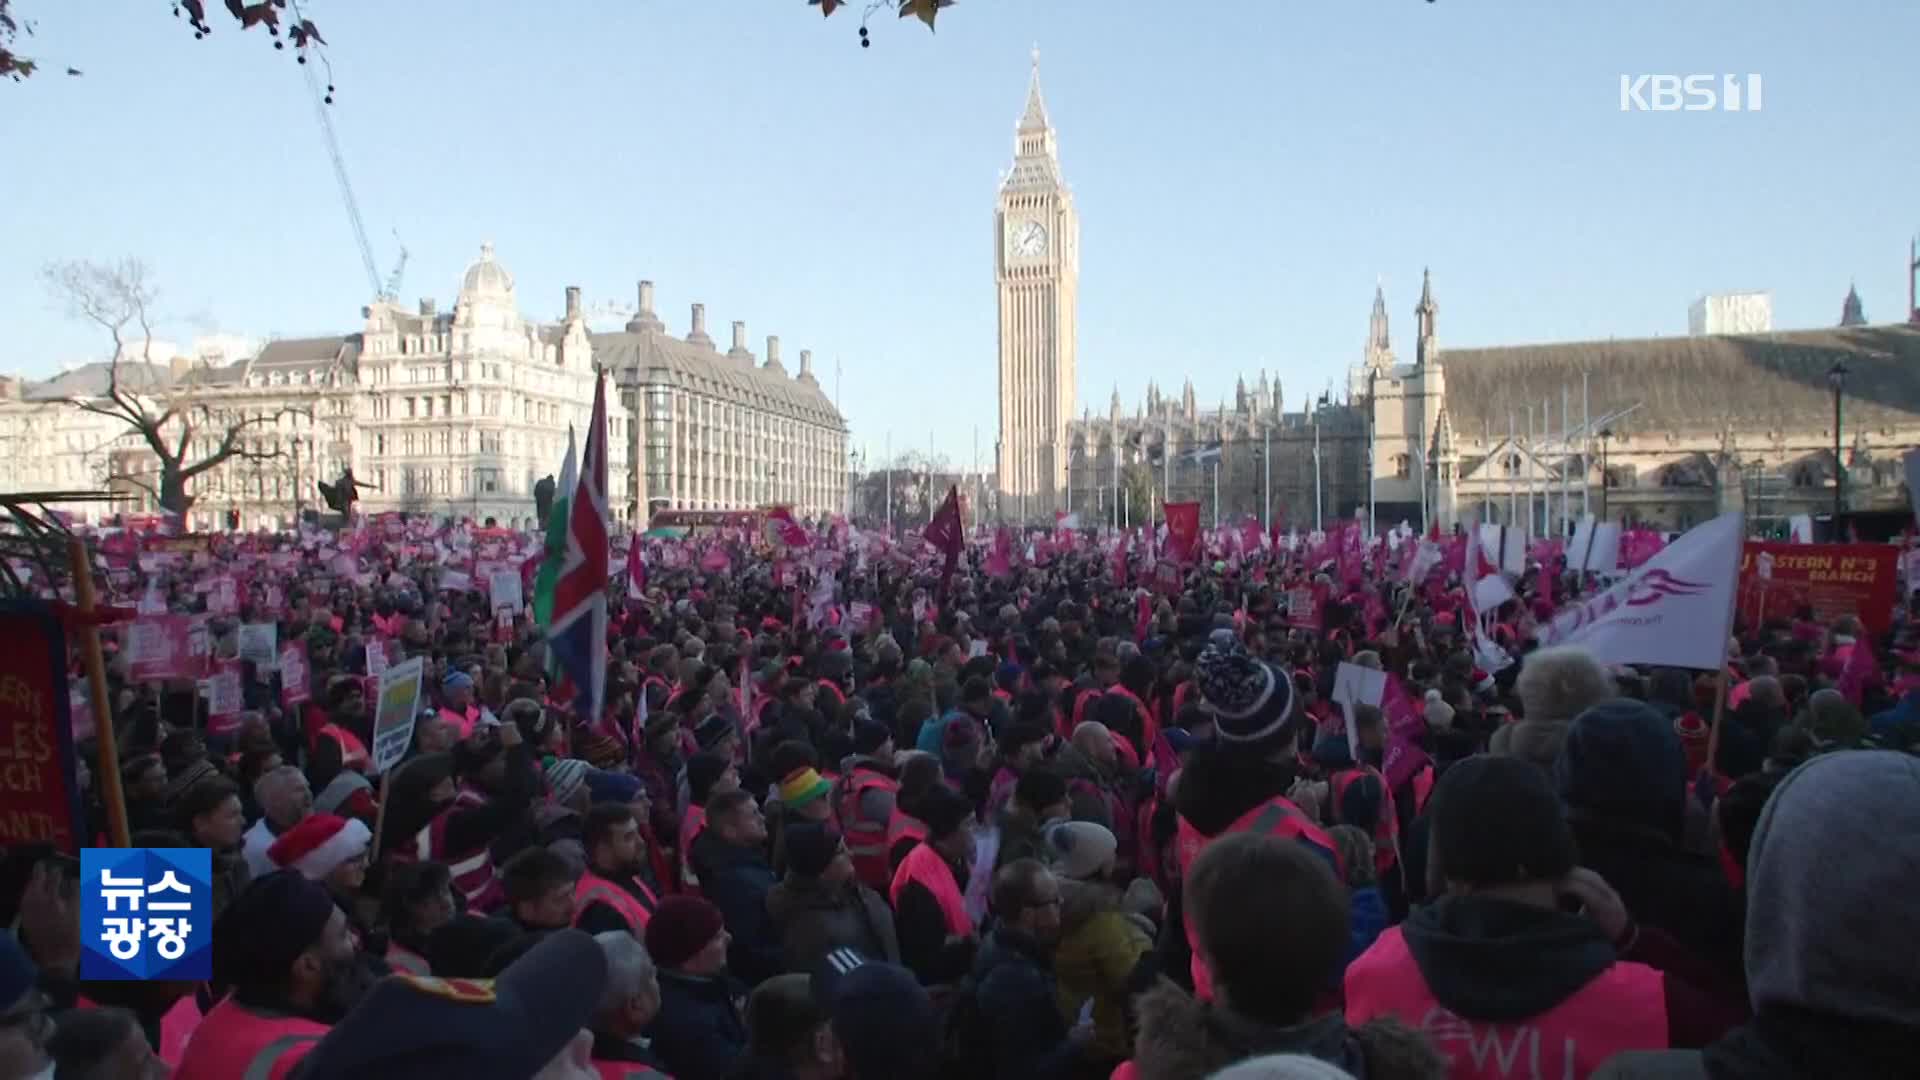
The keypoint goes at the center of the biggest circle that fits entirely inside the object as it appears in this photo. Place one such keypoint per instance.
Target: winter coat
(737, 879)
(1369, 919)
(1100, 949)
(1182, 1037)
(701, 1029)
(812, 918)
(1014, 986)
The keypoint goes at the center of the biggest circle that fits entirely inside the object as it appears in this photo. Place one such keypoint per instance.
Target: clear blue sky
(1243, 168)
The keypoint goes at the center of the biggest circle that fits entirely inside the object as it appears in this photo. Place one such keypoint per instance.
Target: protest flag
(578, 632)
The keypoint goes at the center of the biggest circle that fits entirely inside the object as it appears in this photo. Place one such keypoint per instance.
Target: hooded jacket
(1502, 961)
(1831, 996)
(1622, 774)
(1183, 1037)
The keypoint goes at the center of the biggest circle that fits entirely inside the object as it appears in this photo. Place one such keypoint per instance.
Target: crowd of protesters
(1079, 817)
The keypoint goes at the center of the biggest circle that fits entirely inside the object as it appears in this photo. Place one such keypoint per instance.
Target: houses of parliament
(1665, 431)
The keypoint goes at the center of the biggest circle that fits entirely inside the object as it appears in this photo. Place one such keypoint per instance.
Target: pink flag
(1860, 671)
(716, 560)
(294, 687)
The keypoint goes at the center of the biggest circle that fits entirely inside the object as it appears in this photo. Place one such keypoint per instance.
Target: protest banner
(1832, 579)
(1353, 685)
(393, 718)
(504, 590)
(39, 797)
(295, 675)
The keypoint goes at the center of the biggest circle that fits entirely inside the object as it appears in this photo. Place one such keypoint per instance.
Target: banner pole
(109, 759)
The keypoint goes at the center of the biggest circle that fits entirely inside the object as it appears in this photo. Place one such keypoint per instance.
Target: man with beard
(611, 894)
(285, 949)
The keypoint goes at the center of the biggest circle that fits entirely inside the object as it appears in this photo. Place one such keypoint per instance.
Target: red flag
(946, 533)
(1000, 560)
(1183, 530)
(786, 530)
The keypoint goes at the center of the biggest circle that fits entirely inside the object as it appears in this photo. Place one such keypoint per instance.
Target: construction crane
(389, 289)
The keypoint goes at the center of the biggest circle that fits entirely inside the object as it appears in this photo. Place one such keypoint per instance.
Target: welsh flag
(578, 632)
(557, 520)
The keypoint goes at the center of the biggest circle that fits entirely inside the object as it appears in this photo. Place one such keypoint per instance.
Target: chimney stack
(645, 320)
(427, 307)
(646, 298)
(773, 350)
(573, 303)
(698, 334)
(739, 334)
(806, 361)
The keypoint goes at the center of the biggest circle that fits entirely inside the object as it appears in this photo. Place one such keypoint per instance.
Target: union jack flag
(578, 633)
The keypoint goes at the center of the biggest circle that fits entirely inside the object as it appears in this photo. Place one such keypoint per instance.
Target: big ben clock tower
(1037, 267)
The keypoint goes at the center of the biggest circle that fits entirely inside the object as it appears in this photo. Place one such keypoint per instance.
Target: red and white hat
(320, 844)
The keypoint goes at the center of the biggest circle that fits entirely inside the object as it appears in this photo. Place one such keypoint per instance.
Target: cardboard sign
(158, 648)
(39, 797)
(295, 675)
(504, 589)
(224, 597)
(259, 642)
(225, 698)
(376, 658)
(1833, 579)
(398, 707)
(1357, 685)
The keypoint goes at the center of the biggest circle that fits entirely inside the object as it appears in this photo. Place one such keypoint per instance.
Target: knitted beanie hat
(1251, 701)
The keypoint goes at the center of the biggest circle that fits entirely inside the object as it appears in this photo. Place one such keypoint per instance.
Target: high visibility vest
(405, 961)
(464, 721)
(867, 841)
(235, 1042)
(594, 889)
(1622, 1008)
(177, 1025)
(925, 866)
(1386, 831)
(353, 752)
(1275, 817)
(692, 824)
(473, 872)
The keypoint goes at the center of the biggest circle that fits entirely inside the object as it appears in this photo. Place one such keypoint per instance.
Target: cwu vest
(925, 867)
(867, 841)
(235, 1041)
(1623, 1008)
(1386, 831)
(594, 889)
(1275, 817)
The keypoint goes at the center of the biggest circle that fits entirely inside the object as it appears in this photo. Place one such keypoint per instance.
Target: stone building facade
(1662, 431)
(454, 414)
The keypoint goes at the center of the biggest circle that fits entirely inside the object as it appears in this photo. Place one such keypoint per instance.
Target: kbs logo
(1691, 93)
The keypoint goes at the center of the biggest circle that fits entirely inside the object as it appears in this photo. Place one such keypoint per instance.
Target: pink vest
(1623, 1008)
(235, 1041)
(925, 866)
(473, 872)
(1275, 817)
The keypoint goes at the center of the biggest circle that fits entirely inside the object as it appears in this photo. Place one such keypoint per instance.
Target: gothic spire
(1853, 313)
(1035, 117)
(1378, 342)
(1424, 311)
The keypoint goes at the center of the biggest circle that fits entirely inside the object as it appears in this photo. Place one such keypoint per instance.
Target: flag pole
(97, 700)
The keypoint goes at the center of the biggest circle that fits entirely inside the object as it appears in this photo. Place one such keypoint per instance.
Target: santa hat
(320, 844)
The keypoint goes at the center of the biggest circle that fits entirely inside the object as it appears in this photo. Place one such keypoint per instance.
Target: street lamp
(1837, 378)
(1606, 478)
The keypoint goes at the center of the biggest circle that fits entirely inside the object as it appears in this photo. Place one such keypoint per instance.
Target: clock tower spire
(1037, 269)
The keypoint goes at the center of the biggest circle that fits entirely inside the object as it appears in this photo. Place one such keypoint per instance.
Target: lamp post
(1837, 378)
(1606, 479)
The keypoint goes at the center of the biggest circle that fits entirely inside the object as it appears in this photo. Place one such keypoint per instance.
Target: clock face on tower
(1029, 239)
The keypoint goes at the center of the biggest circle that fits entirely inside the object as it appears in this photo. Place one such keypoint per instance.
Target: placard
(398, 707)
(260, 643)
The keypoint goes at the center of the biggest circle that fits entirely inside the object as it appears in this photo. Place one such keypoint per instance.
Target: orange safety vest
(1622, 1008)
(234, 1041)
(594, 889)
(1275, 817)
(353, 752)
(867, 841)
(926, 867)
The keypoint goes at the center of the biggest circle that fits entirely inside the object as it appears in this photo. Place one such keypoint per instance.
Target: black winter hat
(1496, 821)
